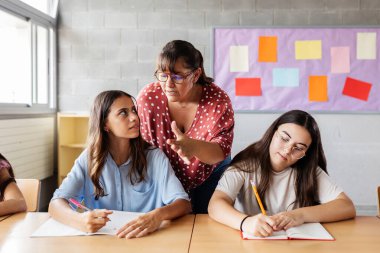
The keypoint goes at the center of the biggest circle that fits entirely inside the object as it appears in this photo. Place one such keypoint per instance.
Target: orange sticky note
(267, 49)
(318, 88)
(248, 87)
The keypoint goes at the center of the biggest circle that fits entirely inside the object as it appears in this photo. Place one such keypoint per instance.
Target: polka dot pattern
(213, 122)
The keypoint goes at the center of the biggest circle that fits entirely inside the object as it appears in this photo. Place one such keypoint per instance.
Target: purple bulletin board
(314, 69)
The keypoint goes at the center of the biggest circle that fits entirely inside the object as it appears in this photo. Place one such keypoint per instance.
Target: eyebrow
(300, 143)
(126, 108)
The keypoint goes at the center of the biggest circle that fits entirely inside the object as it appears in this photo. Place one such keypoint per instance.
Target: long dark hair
(193, 59)
(98, 147)
(5, 165)
(256, 159)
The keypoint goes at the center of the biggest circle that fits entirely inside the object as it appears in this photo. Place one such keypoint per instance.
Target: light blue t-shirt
(160, 187)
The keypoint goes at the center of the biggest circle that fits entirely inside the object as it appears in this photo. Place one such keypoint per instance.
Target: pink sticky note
(340, 59)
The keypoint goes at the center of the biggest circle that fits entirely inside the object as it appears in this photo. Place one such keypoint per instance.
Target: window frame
(36, 18)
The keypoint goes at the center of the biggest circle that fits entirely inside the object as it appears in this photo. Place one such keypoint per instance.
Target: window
(48, 7)
(15, 60)
(28, 59)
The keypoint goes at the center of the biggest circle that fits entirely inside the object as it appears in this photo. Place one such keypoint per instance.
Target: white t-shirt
(280, 196)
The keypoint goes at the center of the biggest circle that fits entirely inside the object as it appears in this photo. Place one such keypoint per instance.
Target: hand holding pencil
(91, 220)
(260, 224)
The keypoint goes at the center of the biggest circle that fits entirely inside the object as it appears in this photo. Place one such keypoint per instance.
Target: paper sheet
(239, 59)
(308, 49)
(318, 88)
(285, 77)
(340, 60)
(52, 228)
(366, 46)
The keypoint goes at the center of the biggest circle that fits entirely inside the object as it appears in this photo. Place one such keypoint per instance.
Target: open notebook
(306, 231)
(52, 227)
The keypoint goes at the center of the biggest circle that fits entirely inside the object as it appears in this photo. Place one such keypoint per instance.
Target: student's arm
(13, 200)
(91, 221)
(151, 221)
(338, 209)
(221, 209)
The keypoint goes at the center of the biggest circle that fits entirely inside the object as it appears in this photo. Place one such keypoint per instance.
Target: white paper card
(239, 59)
(54, 228)
(366, 46)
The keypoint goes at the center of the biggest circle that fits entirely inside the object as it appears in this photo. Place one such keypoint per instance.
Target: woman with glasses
(288, 167)
(11, 198)
(190, 118)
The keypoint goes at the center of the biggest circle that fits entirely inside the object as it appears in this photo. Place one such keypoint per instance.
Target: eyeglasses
(176, 78)
(295, 152)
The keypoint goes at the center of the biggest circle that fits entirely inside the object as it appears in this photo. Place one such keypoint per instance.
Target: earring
(106, 129)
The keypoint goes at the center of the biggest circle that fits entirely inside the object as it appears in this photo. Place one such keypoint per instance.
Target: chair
(378, 201)
(30, 188)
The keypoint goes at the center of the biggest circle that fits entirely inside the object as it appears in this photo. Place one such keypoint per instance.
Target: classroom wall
(113, 44)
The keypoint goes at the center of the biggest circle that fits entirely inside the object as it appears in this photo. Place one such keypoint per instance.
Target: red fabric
(214, 122)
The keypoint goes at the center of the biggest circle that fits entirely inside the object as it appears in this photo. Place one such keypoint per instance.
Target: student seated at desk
(119, 171)
(11, 199)
(288, 166)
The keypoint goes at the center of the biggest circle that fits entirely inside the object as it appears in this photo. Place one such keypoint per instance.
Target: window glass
(48, 7)
(42, 65)
(15, 60)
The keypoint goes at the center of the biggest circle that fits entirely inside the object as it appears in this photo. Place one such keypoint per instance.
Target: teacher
(190, 118)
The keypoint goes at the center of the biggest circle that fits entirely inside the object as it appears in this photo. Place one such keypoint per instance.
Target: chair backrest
(30, 188)
(378, 200)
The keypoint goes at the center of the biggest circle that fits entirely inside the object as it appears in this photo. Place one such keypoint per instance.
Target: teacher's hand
(182, 144)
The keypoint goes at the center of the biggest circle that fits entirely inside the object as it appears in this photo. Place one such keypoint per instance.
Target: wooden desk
(359, 235)
(15, 232)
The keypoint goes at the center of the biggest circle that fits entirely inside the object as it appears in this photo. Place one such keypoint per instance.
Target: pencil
(258, 197)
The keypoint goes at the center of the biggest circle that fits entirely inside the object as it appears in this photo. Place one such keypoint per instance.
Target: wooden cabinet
(72, 140)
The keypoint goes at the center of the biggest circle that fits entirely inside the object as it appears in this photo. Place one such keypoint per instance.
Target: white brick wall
(113, 44)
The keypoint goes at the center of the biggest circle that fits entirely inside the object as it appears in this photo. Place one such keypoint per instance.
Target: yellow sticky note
(308, 49)
(318, 88)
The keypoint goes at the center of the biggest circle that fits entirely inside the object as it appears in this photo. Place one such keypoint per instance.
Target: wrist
(242, 222)
(158, 214)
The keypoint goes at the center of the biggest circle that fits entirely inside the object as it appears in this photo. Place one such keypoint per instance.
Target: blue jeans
(201, 195)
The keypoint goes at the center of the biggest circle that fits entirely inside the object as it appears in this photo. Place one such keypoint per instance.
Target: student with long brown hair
(288, 167)
(119, 171)
(11, 199)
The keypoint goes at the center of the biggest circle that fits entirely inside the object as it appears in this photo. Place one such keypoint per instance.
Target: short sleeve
(72, 186)
(328, 190)
(224, 125)
(171, 188)
(145, 110)
(231, 182)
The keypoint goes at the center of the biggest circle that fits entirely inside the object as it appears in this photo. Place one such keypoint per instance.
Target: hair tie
(242, 221)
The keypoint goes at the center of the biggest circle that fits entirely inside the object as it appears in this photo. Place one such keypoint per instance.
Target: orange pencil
(258, 197)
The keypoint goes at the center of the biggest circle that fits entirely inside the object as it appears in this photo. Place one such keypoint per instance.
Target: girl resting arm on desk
(11, 199)
(288, 166)
(119, 171)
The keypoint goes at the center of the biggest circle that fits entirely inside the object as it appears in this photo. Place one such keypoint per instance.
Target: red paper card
(248, 86)
(357, 89)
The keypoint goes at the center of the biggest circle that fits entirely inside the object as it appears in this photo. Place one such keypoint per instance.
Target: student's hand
(94, 220)
(182, 144)
(143, 225)
(259, 225)
(285, 220)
